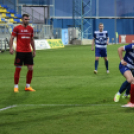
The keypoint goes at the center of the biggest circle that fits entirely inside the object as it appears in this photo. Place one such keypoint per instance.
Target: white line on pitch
(58, 105)
(67, 105)
(8, 107)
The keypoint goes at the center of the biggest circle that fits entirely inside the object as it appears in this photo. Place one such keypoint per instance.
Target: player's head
(101, 27)
(25, 19)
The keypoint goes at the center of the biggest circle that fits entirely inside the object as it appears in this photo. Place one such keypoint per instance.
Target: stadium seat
(6, 15)
(12, 15)
(10, 11)
(17, 20)
(3, 15)
(11, 21)
(2, 20)
(18, 16)
(3, 6)
(3, 11)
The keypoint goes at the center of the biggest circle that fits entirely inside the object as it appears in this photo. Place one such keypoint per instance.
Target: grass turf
(64, 76)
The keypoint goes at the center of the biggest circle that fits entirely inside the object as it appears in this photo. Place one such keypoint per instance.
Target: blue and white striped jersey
(101, 39)
(129, 56)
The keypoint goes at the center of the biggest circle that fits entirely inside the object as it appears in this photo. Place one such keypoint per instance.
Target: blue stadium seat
(18, 16)
(2, 20)
(8, 15)
(4, 6)
(10, 11)
(17, 20)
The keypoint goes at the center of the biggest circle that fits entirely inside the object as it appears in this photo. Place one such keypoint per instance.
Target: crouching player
(125, 67)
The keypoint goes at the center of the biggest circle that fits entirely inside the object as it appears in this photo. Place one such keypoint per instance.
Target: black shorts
(23, 58)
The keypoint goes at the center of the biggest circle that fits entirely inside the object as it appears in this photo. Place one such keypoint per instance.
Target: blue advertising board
(65, 36)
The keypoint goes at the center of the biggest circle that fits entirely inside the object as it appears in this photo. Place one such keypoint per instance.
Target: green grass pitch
(82, 101)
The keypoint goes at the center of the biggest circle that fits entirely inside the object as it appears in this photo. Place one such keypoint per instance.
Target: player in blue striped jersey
(101, 41)
(126, 66)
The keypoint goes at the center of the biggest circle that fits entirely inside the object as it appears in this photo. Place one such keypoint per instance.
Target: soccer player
(125, 67)
(101, 41)
(24, 55)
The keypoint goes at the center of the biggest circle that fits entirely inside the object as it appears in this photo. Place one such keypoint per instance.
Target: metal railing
(56, 33)
(45, 32)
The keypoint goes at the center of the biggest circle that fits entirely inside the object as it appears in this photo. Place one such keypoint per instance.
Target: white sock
(118, 93)
(27, 85)
(16, 86)
(125, 94)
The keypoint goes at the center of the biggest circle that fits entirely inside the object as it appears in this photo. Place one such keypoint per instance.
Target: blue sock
(106, 63)
(96, 64)
(123, 87)
(128, 89)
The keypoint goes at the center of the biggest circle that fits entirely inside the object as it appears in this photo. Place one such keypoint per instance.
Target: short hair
(101, 24)
(25, 15)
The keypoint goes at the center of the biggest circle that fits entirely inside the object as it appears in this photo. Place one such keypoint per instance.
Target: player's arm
(11, 44)
(33, 47)
(93, 42)
(107, 38)
(33, 44)
(14, 34)
(120, 52)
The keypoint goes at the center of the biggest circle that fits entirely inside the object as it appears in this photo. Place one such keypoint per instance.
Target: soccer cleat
(108, 72)
(29, 89)
(16, 90)
(129, 104)
(116, 98)
(125, 96)
(95, 71)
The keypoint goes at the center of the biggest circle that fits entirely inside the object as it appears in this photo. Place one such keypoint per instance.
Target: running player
(125, 86)
(24, 55)
(101, 41)
(125, 67)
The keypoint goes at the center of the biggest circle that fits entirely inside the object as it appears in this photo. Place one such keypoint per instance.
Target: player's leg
(29, 62)
(18, 64)
(96, 64)
(16, 78)
(122, 69)
(127, 93)
(97, 55)
(104, 54)
(106, 63)
(122, 89)
(129, 77)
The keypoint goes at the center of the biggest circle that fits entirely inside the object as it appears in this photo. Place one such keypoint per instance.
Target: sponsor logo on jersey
(25, 37)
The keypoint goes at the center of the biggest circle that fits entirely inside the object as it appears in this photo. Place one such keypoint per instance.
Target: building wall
(106, 8)
(64, 8)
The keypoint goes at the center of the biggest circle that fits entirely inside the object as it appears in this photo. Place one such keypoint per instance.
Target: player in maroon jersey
(24, 54)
